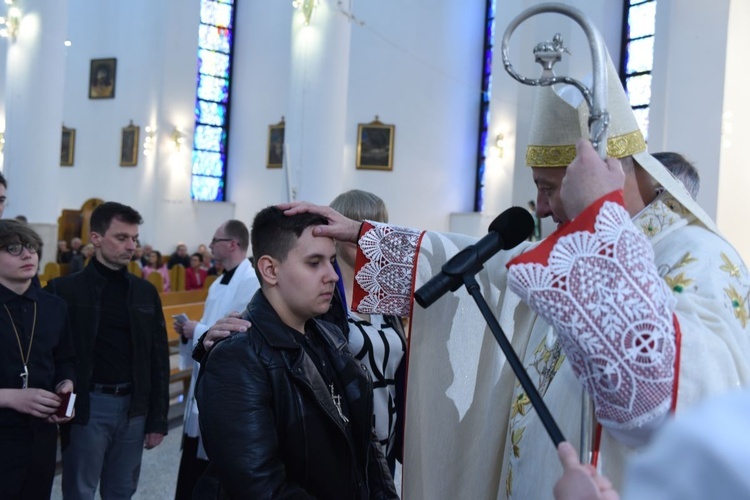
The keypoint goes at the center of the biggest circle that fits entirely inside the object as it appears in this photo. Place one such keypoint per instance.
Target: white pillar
(315, 126)
(35, 74)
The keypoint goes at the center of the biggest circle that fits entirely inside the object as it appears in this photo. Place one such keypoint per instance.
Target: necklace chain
(24, 359)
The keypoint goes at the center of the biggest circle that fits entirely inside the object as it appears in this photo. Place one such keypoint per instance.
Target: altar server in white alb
(231, 292)
(636, 299)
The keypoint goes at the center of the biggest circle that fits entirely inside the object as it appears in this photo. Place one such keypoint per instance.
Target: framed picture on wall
(68, 147)
(275, 157)
(129, 146)
(375, 145)
(102, 78)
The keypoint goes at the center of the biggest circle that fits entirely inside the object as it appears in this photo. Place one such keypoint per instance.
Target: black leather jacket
(82, 292)
(270, 427)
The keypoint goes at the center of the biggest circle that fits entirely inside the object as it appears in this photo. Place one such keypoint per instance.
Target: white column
(733, 174)
(35, 74)
(315, 125)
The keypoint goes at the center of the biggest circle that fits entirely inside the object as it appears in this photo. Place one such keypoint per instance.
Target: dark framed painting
(129, 146)
(275, 156)
(102, 78)
(375, 145)
(68, 147)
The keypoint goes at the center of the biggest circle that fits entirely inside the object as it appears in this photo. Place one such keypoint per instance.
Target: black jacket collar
(262, 315)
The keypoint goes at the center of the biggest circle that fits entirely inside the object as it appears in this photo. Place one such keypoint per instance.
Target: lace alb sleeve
(384, 269)
(596, 283)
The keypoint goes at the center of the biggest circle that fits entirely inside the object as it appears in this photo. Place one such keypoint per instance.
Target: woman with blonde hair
(377, 341)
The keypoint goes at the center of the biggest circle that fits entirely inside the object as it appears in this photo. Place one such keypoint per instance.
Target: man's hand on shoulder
(223, 328)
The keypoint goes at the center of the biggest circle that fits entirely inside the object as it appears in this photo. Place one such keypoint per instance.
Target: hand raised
(588, 178)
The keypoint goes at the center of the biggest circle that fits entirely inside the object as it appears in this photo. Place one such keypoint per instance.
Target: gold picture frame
(275, 148)
(375, 145)
(67, 147)
(102, 78)
(129, 145)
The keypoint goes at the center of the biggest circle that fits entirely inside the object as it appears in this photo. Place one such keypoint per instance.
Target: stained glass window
(210, 139)
(638, 56)
(484, 103)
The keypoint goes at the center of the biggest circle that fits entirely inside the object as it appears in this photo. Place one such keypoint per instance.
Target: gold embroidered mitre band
(558, 156)
(556, 126)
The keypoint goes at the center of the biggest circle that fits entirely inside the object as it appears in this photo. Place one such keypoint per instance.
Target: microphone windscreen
(514, 226)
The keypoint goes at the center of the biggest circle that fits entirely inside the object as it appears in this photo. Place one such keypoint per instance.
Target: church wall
(414, 65)
(688, 87)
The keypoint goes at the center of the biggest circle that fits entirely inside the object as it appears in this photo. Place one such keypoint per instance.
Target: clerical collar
(227, 276)
(109, 274)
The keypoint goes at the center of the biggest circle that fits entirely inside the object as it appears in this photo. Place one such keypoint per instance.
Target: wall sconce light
(10, 23)
(149, 140)
(500, 145)
(178, 137)
(307, 7)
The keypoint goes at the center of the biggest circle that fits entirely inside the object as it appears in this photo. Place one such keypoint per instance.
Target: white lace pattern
(387, 278)
(613, 313)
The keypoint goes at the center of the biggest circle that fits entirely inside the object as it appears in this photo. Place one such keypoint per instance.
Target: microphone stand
(536, 399)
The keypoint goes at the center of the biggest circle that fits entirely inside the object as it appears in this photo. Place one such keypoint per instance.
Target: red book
(66, 405)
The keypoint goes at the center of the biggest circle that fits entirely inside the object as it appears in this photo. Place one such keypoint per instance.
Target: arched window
(211, 136)
(638, 56)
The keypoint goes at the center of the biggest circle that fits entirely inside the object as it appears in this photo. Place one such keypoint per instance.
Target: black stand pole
(536, 399)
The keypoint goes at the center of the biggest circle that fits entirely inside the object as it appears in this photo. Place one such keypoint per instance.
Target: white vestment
(221, 300)
(471, 431)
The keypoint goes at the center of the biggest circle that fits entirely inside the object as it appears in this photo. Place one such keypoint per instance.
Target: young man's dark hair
(237, 230)
(102, 216)
(12, 231)
(3, 181)
(285, 410)
(274, 233)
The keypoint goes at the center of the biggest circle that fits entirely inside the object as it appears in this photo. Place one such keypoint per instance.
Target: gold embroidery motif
(520, 405)
(685, 260)
(678, 283)
(546, 362)
(515, 439)
(509, 483)
(729, 267)
(562, 155)
(738, 305)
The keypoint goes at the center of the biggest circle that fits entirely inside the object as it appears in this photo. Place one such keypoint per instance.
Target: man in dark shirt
(122, 363)
(36, 367)
(179, 257)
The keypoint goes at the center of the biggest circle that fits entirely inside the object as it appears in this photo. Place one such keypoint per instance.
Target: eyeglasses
(15, 249)
(217, 240)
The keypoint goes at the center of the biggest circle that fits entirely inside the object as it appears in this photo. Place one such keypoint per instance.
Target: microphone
(507, 230)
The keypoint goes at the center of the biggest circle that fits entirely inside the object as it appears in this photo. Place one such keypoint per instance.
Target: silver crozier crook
(547, 54)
